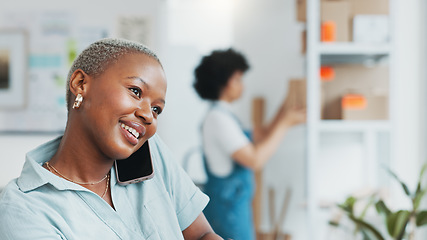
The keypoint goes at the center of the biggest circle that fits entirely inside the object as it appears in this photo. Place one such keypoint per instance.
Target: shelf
(353, 49)
(353, 126)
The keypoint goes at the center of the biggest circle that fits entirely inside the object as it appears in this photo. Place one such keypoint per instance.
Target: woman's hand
(294, 116)
(291, 115)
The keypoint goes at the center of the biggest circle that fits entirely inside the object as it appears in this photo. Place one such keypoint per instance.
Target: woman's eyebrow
(138, 78)
(145, 84)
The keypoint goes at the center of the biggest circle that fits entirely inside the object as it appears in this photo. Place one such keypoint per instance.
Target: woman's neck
(79, 159)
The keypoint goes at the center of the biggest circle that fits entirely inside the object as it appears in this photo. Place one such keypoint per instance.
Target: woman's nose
(144, 112)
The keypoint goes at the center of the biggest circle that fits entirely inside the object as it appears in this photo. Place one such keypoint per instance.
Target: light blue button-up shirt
(41, 205)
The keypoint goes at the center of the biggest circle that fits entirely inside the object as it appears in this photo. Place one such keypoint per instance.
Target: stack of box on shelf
(355, 92)
(363, 21)
(352, 91)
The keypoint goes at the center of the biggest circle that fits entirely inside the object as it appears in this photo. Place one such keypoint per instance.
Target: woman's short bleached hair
(96, 58)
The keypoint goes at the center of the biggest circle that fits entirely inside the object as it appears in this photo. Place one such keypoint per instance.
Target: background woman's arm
(267, 140)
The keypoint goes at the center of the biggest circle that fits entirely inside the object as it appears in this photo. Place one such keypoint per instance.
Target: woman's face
(121, 105)
(235, 86)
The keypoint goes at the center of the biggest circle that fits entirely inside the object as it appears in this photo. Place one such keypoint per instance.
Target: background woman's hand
(294, 116)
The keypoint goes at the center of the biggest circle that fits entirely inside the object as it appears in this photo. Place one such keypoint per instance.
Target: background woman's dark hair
(214, 71)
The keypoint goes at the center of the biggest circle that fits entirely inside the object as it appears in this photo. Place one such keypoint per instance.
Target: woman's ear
(79, 82)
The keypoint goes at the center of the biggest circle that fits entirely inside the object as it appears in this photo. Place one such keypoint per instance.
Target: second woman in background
(230, 155)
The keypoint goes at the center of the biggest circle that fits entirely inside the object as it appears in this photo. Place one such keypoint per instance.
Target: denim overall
(230, 208)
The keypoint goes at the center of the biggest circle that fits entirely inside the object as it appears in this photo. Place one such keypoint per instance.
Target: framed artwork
(13, 69)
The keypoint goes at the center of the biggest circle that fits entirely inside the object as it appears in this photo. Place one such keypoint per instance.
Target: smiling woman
(68, 188)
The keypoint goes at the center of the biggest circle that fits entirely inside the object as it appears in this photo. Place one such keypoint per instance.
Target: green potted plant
(400, 224)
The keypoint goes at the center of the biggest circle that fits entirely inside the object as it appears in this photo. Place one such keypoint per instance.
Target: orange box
(353, 101)
(327, 73)
(329, 31)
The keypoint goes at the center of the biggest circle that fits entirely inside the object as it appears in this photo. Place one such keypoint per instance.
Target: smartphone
(136, 168)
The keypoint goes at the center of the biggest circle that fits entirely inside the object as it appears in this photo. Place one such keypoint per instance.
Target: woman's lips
(129, 137)
(132, 131)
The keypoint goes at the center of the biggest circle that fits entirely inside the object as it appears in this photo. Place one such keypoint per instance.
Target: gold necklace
(50, 167)
(106, 187)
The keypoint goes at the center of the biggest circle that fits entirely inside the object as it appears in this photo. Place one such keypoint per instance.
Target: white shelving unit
(376, 136)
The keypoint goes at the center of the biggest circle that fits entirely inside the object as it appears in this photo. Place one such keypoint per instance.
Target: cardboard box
(376, 108)
(369, 7)
(258, 111)
(297, 93)
(352, 78)
(339, 13)
(371, 29)
(301, 10)
(258, 104)
(304, 42)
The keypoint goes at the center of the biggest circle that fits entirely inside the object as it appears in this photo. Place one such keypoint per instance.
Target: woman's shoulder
(11, 197)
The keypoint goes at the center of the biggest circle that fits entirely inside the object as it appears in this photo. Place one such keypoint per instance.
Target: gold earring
(78, 101)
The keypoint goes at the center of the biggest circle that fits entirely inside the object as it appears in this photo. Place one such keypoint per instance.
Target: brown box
(338, 12)
(297, 93)
(376, 109)
(304, 42)
(301, 8)
(369, 7)
(352, 78)
(257, 111)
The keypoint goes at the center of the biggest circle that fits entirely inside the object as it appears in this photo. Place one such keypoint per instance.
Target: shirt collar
(33, 175)
(222, 104)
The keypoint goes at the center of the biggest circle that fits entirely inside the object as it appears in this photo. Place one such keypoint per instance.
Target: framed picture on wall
(13, 68)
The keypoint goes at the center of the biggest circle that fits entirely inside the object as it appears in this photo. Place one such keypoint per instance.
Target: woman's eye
(136, 91)
(157, 110)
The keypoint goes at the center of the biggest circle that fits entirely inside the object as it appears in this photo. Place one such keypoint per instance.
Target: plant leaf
(367, 226)
(348, 205)
(405, 188)
(423, 169)
(418, 197)
(420, 178)
(421, 218)
(382, 208)
(396, 223)
(368, 205)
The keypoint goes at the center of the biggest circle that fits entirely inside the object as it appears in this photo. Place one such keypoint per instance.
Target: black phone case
(136, 168)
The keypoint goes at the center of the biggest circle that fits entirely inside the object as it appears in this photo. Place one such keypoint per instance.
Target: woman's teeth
(131, 130)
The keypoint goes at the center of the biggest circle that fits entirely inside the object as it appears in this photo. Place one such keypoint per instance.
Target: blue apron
(230, 208)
